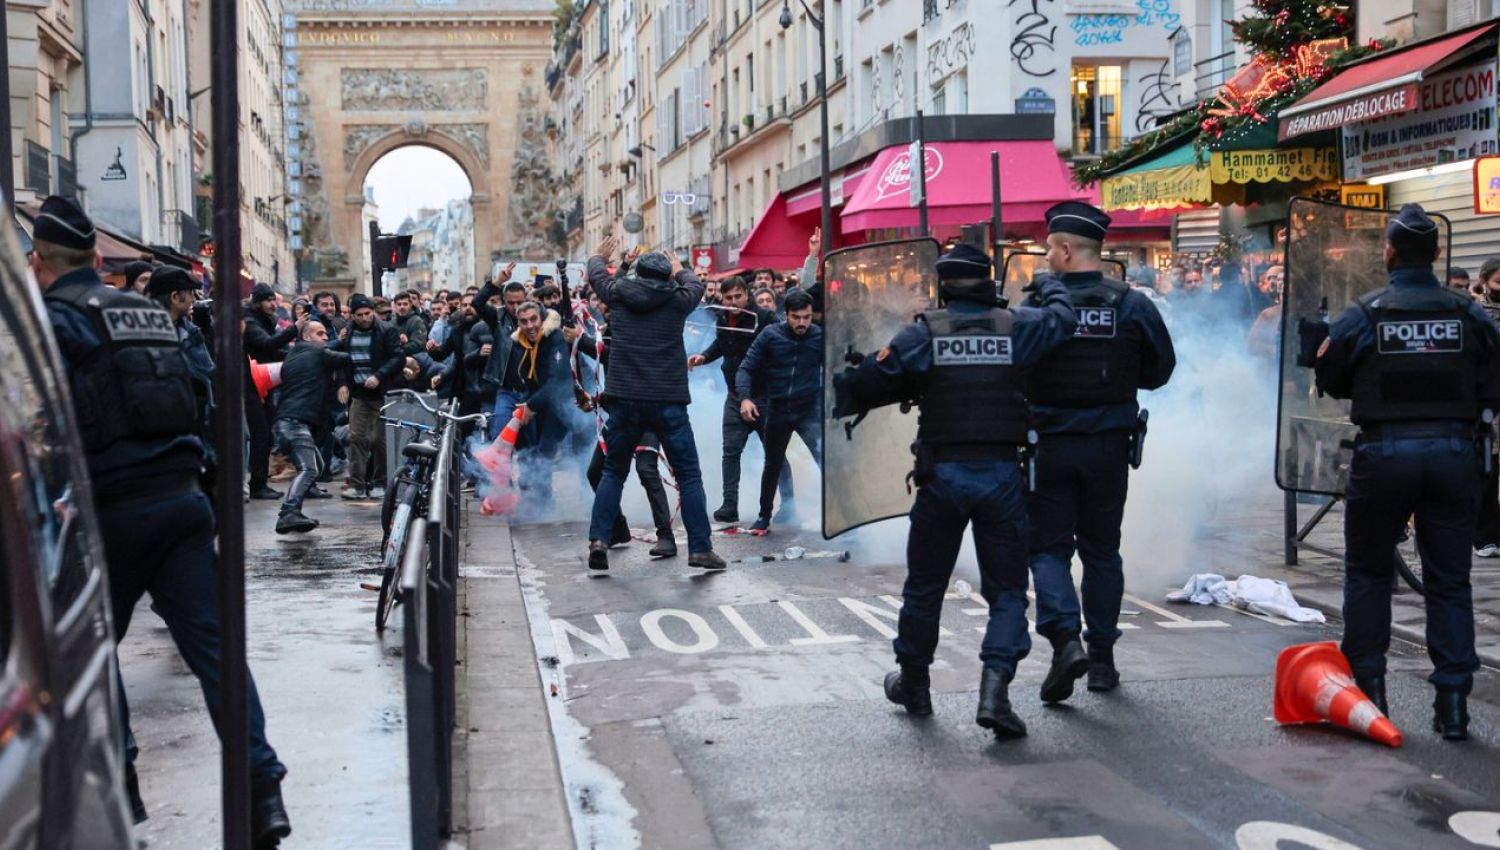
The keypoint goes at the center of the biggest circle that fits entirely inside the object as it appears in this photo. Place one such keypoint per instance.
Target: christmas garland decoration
(1298, 45)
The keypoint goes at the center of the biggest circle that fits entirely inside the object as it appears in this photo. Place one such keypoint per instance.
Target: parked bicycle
(406, 498)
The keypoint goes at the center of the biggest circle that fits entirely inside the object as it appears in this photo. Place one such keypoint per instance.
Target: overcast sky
(410, 178)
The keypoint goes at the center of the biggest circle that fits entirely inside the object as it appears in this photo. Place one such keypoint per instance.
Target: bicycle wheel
(390, 574)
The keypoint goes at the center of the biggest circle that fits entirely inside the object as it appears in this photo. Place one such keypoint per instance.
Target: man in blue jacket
(784, 369)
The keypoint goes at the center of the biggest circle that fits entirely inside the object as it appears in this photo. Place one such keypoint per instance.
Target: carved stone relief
(393, 90)
(530, 178)
(358, 137)
(476, 137)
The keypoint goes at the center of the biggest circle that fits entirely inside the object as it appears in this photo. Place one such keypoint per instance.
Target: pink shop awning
(1032, 178)
(777, 241)
(808, 198)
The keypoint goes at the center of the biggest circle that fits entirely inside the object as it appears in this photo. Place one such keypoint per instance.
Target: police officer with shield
(962, 365)
(139, 418)
(1083, 407)
(1418, 362)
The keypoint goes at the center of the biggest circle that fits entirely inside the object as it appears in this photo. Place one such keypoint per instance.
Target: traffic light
(391, 252)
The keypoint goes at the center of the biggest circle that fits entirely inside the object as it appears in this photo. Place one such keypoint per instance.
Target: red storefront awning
(1385, 85)
(1032, 178)
(778, 241)
(809, 198)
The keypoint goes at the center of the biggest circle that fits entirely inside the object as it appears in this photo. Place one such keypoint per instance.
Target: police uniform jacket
(1352, 348)
(1130, 332)
(898, 372)
(133, 464)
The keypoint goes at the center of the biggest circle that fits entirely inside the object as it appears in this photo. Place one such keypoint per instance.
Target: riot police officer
(1083, 407)
(962, 365)
(138, 418)
(176, 290)
(1418, 362)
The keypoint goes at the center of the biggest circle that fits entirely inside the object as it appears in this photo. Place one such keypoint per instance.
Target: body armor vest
(1424, 363)
(136, 384)
(1097, 366)
(973, 390)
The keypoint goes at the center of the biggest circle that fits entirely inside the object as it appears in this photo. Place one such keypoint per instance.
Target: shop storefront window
(1096, 108)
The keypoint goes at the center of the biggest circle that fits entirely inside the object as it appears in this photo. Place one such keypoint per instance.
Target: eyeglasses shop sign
(1454, 120)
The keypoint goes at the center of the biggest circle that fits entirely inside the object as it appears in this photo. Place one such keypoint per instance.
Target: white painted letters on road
(651, 625)
(608, 640)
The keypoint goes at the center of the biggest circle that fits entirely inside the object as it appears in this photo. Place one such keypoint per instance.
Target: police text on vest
(139, 324)
(1095, 322)
(1420, 336)
(977, 350)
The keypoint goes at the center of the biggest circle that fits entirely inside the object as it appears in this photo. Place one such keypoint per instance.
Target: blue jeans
(1079, 504)
(988, 494)
(628, 420)
(506, 402)
(1437, 479)
(164, 545)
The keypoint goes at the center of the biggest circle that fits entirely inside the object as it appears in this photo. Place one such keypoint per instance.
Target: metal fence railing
(429, 584)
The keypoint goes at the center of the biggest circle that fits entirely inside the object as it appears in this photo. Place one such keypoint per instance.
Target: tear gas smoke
(1209, 453)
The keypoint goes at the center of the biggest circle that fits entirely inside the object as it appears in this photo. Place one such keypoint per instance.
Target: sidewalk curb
(1335, 614)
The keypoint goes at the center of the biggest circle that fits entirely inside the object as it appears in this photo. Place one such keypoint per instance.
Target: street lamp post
(829, 236)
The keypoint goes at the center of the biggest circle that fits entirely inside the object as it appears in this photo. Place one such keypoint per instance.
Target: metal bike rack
(429, 583)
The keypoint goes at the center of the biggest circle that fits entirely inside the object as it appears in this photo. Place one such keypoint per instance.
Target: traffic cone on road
(265, 376)
(1314, 685)
(494, 456)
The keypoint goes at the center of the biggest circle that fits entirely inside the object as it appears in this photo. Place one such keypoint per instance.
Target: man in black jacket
(263, 344)
(646, 391)
(536, 384)
(784, 370)
(376, 360)
(305, 378)
(739, 323)
(409, 323)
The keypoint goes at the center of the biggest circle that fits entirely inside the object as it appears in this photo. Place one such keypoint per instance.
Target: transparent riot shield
(1021, 267)
(870, 292)
(1334, 255)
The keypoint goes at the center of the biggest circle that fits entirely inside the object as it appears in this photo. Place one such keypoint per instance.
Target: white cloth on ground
(1258, 595)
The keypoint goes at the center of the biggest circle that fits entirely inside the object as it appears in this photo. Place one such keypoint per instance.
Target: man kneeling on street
(306, 375)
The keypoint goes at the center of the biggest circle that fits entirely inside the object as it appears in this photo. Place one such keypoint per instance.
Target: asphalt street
(331, 687)
(744, 710)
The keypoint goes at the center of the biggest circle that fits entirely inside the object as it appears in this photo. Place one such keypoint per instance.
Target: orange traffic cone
(266, 376)
(493, 456)
(1314, 684)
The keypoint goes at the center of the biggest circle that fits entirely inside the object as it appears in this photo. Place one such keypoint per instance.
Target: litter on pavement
(1257, 595)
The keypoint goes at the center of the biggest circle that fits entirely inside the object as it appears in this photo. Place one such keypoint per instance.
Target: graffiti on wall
(1093, 30)
(1158, 99)
(1033, 45)
(952, 53)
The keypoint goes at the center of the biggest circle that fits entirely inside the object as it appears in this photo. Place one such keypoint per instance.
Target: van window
(35, 431)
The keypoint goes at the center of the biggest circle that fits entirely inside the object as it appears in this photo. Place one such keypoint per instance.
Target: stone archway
(466, 83)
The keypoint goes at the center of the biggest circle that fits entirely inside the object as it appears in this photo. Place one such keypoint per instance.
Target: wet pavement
(332, 690)
(744, 710)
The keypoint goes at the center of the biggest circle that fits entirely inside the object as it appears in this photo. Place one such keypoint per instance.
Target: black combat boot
(909, 688)
(1450, 715)
(1374, 688)
(598, 555)
(1069, 664)
(994, 706)
(728, 512)
(666, 546)
(268, 821)
(1102, 673)
(294, 522)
